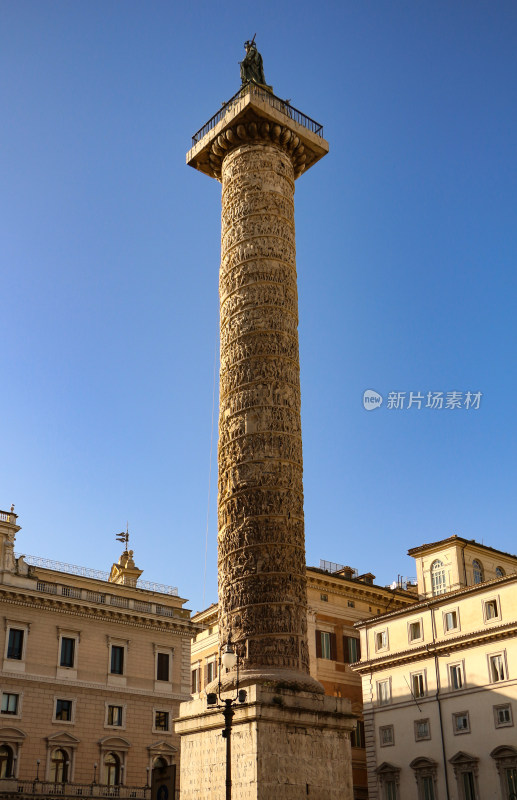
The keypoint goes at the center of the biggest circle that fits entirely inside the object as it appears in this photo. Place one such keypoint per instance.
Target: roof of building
(453, 540)
(359, 582)
(438, 599)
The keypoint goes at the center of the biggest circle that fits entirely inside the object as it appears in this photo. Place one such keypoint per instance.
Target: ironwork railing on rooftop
(331, 566)
(283, 106)
(99, 575)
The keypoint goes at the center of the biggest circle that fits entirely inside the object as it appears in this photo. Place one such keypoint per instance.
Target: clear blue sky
(407, 252)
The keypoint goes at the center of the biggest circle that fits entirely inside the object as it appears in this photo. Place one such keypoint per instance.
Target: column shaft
(262, 584)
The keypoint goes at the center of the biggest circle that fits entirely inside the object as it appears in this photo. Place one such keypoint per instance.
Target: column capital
(255, 115)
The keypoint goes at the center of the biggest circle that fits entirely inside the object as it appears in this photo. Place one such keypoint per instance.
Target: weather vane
(123, 536)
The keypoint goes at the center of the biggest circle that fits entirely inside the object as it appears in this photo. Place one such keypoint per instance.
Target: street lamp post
(229, 659)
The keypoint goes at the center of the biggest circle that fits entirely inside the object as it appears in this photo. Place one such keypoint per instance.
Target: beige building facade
(337, 597)
(439, 680)
(93, 670)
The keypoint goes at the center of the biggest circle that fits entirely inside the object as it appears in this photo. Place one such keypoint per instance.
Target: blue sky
(109, 255)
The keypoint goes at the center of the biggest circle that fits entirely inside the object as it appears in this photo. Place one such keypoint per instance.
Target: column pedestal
(285, 745)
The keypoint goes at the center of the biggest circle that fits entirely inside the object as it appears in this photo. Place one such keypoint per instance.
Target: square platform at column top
(253, 103)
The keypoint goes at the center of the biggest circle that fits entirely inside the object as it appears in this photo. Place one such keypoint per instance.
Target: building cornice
(345, 586)
(130, 618)
(438, 600)
(457, 540)
(99, 687)
(439, 648)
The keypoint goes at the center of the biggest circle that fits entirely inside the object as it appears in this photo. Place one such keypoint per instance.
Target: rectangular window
(418, 684)
(117, 660)
(67, 652)
(381, 640)
(15, 644)
(415, 631)
(427, 788)
(351, 604)
(354, 649)
(497, 668)
(456, 676)
(324, 597)
(503, 716)
(460, 722)
(162, 667)
(390, 790)
(351, 649)
(115, 715)
(64, 710)
(195, 681)
(9, 703)
(383, 692)
(491, 610)
(326, 646)
(422, 730)
(358, 735)
(511, 781)
(161, 720)
(450, 621)
(211, 672)
(469, 790)
(386, 736)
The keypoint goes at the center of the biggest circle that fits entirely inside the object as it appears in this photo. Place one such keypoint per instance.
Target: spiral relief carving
(261, 548)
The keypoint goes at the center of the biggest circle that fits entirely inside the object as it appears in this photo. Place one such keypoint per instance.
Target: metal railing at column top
(284, 106)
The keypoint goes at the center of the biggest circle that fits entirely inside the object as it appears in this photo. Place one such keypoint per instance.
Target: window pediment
(62, 738)
(504, 751)
(463, 758)
(463, 762)
(423, 763)
(11, 734)
(387, 769)
(114, 743)
(162, 748)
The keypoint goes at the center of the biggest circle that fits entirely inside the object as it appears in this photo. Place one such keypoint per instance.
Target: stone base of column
(285, 745)
(280, 678)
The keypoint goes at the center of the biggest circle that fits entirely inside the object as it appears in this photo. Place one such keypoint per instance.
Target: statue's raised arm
(252, 68)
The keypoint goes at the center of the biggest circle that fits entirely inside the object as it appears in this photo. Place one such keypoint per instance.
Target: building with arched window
(94, 667)
(440, 680)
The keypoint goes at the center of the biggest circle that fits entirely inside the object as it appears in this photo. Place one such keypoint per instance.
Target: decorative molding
(441, 648)
(99, 687)
(257, 131)
(180, 628)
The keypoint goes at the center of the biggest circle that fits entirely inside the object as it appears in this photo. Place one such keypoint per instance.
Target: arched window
(6, 761)
(477, 569)
(438, 580)
(500, 573)
(112, 769)
(59, 766)
(159, 763)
